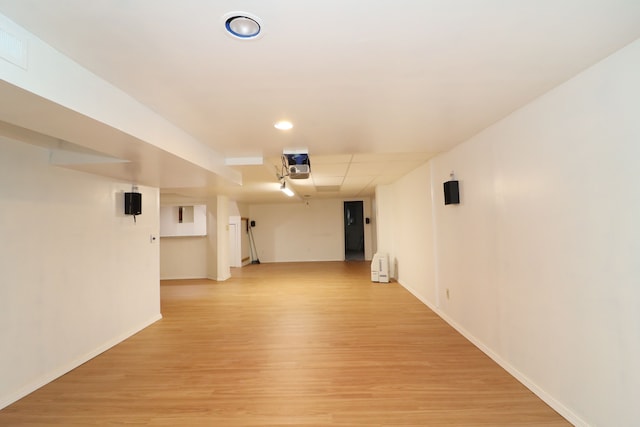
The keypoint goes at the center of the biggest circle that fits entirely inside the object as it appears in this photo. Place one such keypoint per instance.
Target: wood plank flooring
(289, 344)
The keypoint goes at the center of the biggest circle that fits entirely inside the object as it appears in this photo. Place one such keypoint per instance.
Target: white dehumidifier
(380, 268)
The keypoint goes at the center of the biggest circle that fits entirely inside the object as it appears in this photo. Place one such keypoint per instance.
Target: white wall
(218, 267)
(373, 226)
(201, 257)
(407, 232)
(183, 247)
(245, 242)
(294, 232)
(77, 276)
(286, 232)
(386, 224)
(194, 220)
(242, 210)
(183, 257)
(541, 256)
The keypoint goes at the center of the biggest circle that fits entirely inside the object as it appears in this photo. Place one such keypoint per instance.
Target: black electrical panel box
(132, 203)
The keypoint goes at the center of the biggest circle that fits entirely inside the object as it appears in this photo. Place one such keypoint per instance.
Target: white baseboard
(61, 370)
(183, 278)
(538, 391)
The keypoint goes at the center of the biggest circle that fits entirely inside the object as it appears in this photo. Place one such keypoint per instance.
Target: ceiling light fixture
(286, 190)
(242, 25)
(283, 125)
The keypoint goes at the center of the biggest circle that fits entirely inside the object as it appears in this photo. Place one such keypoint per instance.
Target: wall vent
(13, 49)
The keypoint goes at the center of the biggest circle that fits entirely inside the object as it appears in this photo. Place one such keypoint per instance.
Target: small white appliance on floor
(380, 268)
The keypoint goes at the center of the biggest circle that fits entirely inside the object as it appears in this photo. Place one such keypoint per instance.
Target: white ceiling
(374, 88)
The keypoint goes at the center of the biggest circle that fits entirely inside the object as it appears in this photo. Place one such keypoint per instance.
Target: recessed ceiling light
(283, 125)
(242, 25)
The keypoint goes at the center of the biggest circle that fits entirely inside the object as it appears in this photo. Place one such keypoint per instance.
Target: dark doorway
(353, 231)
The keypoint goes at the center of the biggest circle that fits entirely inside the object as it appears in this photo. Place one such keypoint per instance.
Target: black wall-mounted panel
(451, 193)
(132, 203)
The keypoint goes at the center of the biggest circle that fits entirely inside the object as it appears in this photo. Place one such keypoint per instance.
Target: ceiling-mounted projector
(299, 171)
(297, 163)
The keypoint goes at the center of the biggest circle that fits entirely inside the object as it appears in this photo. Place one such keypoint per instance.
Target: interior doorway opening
(354, 231)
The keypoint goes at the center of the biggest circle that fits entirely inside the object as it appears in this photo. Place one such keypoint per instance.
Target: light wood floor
(304, 344)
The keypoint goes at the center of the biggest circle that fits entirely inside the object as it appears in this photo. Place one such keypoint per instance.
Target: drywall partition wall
(245, 242)
(405, 232)
(386, 223)
(183, 220)
(218, 267)
(373, 227)
(369, 233)
(305, 231)
(465, 238)
(290, 232)
(183, 241)
(198, 257)
(540, 258)
(183, 258)
(77, 275)
(235, 237)
(413, 250)
(369, 229)
(561, 263)
(224, 266)
(242, 210)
